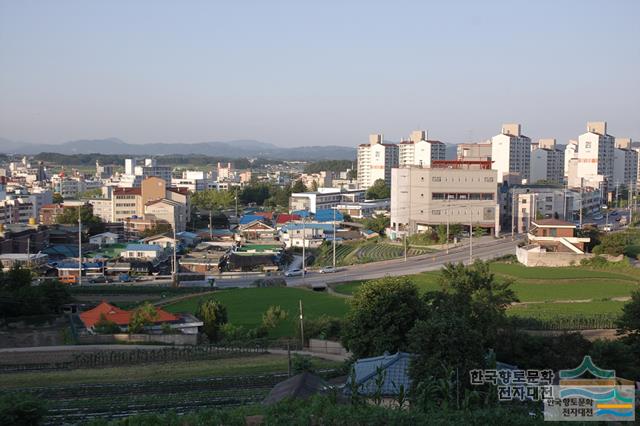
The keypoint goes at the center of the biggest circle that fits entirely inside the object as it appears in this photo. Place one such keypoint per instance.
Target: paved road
(413, 265)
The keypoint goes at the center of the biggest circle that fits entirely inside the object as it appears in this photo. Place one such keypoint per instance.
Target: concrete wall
(528, 257)
(326, 347)
(174, 339)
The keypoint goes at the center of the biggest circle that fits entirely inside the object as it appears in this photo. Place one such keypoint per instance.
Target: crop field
(365, 252)
(81, 395)
(246, 306)
(538, 287)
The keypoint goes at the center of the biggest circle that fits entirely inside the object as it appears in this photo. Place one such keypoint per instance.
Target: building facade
(511, 154)
(547, 162)
(375, 161)
(419, 151)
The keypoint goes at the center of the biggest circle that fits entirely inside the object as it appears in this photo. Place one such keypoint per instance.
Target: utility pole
(236, 202)
(301, 326)
(29, 252)
(448, 207)
(334, 238)
(79, 245)
(581, 201)
(304, 240)
(211, 226)
(513, 215)
(470, 235)
(405, 245)
(175, 257)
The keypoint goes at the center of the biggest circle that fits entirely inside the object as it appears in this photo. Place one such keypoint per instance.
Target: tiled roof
(284, 218)
(118, 316)
(552, 222)
(266, 215)
(143, 247)
(127, 191)
(248, 218)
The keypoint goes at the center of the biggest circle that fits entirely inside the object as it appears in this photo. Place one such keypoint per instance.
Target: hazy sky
(295, 73)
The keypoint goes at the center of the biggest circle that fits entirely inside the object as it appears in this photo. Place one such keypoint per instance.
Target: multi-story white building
(593, 165)
(570, 152)
(375, 161)
(625, 168)
(547, 162)
(420, 151)
(454, 192)
(324, 198)
(169, 211)
(511, 154)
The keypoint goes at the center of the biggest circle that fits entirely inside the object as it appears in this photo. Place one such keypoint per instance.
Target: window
(435, 212)
(488, 179)
(436, 179)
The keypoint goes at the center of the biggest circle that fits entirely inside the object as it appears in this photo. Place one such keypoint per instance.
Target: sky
(296, 73)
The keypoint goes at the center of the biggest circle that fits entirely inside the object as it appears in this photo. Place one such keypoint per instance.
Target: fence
(108, 358)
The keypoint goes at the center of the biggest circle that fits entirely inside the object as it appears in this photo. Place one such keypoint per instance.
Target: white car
(293, 273)
(328, 270)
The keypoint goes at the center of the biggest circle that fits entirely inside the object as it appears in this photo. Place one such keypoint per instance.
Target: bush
(323, 327)
(270, 282)
(21, 409)
(301, 363)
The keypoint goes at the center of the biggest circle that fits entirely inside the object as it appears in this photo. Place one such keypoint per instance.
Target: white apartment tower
(570, 151)
(593, 164)
(375, 161)
(420, 151)
(511, 154)
(625, 160)
(547, 162)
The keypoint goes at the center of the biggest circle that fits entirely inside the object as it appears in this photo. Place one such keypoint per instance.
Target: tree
(69, 216)
(256, 193)
(328, 165)
(273, 316)
(18, 297)
(381, 314)
(22, 409)
(298, 186)
(212, 199)
(478, 231)
(142, 317)
(104, 326)
(613, 243)
(377, 223)
(92, 193)
(279, 197)
(378, 191)
(213, 315)
(314, 186)
(160, 228)
(629, 322)
(57, 198)
(459, 325)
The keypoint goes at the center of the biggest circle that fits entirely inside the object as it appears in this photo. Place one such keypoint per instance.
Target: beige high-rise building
(625, 163)
(375, 161)
(511, 154)
(420, 151)
(547, 162)
(454, 192)
(570, 151)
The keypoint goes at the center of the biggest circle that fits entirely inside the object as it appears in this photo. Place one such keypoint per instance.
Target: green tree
(69, 216)
(381, 314)
(629, 321)
(57, 198)
(142, 317)
(212, 199)
(273, 316)
(314, 186)
(377, 223)
(104, 326)
(378, 191)
(92, 193)
(478, 231)
(160, 228)
(613, 243)
(299, 186)
(279, 197)
(21, 409)
(256, 193)
(213, 315)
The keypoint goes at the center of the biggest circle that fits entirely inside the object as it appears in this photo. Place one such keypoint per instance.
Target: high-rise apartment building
(420, 151)
(511, 154)
(593, 164)
(625, 163)
(375, 161)
(570, 152)
(547, 162)
(474, 151)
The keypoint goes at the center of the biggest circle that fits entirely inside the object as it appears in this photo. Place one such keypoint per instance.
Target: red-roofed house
(184, 323)
(284, 218)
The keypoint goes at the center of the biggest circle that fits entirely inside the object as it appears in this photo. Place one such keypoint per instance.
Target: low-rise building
(142, 251)
(454, 192)
(324, 198)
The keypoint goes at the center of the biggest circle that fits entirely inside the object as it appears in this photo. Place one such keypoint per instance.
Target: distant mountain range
(231, 149)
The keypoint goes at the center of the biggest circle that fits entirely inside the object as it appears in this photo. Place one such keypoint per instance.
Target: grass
(260, 364)
(569, 273)
(246, 306)
(547, 310)
(351, 253)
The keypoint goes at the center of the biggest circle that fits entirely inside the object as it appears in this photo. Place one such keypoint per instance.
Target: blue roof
(187, 234)
(396, 373)
(301, 213)
(295, 226)
(143, 247)
(326, 215)
(248, 218)
(369, 232)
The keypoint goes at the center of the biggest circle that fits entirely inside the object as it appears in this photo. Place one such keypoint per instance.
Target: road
(413, 265)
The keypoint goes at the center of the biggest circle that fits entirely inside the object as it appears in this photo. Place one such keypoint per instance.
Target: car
(598, 217)
(618, 219)
(293, 273)
(607, 228)
(615, 213)
(328, 270)
(98, 280)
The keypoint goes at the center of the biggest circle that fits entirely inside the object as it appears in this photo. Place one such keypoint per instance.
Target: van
(68, 279)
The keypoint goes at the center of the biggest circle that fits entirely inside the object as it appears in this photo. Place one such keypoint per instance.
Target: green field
(364, 252)
(246, 306)
(249, 365)
(546, 310)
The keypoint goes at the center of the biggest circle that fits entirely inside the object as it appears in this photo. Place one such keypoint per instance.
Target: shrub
(21, 409)
(301, 363)
(270, 282)
(213, 314)
(323, 327)
(273, 316)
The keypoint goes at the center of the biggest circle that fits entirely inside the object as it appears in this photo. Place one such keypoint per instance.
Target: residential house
(395, 376)
(105, 238)
(142, 251)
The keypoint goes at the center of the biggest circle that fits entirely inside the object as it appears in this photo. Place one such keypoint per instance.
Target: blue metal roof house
(326, 215)
(248, 218)
(394, 367)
